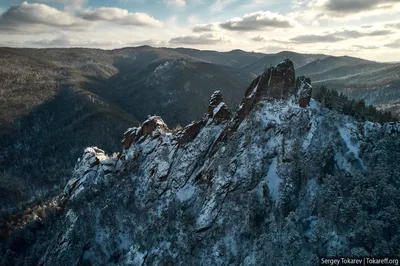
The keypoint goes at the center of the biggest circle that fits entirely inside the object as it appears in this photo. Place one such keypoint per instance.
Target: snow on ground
(162, 67)
(310, 135)
(313, 104)
(185, 193)
(270, 113)
(347, 138)
(135, 257)
(352, 145)
(273, 180)
(207, 214)
(312, 188)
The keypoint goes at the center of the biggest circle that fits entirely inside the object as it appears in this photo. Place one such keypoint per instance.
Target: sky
(363, 28)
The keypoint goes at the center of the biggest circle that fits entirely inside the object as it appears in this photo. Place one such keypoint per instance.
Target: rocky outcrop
(276, 83)
(304, 91)
(217, 109)
(215, 100)
(190, 132)
(268, 193)
(152, 127)
(281, 80)
(289, 185)
(93, 168)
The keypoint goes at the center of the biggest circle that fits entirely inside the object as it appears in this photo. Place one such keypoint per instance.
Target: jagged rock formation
(275, 83)
(217, 109)
(304, 91)
(285, 187)
(153, 126)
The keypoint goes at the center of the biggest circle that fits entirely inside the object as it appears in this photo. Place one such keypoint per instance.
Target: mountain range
(282, 180)
(59, 101)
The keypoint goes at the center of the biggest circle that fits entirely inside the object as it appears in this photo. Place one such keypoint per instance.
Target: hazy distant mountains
(377, 83)
(267, 60)
(58, 101)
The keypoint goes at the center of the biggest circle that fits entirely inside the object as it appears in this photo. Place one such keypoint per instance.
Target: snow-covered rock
(275, 185)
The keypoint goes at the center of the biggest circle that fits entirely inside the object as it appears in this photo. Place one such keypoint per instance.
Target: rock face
(288, 185)
(304, 91)
(217, 109)
(190, 132)
(153, 126)
(215, 100)
(275, 83)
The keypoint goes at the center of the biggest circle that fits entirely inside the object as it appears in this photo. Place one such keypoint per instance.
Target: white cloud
(259, 4)
(366, 47)
(353, 8)
(205, 28)
(119, 16)
(64, 41)
(193, 19)
(220, 5)
(28, 15)
(65, 2)
(41, 18)
(356, 6)
(308, 27)
(394, 44)
(208, 38)
(340, 35)
(258, 21)
(271, 49)
(176, 3)
(393, 25)
(259, 38)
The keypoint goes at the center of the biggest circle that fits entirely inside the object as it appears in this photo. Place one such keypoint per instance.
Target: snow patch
(185, 193)
(273, 180)
(310, 135)
(351, 146)
(219, 106)
(347, 138)
(135, 257)
(253, 92)
(313, 104)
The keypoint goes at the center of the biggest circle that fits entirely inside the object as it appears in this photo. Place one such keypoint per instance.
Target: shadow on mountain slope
(39, 154)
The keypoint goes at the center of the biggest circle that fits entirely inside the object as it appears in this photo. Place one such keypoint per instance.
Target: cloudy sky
(362, 28)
